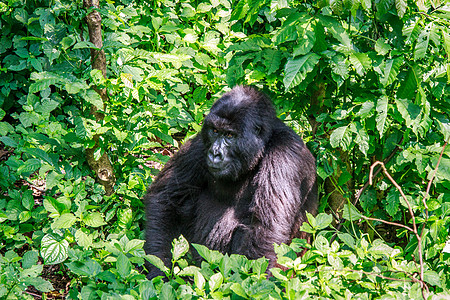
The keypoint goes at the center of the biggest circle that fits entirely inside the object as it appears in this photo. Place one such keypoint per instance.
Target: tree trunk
(336, 200)
(102, 167)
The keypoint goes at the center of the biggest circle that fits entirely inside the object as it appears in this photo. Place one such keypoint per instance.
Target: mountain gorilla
(241, 185)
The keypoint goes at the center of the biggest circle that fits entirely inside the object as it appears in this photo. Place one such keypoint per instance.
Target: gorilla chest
(217, 219)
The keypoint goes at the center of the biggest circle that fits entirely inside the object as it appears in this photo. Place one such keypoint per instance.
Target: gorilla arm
(170, 200)
(285, 188)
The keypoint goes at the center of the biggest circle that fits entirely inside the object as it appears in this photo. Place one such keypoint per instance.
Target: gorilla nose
(215, 158)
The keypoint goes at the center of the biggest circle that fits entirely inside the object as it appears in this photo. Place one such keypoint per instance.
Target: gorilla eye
(215, 130)
(229, 135)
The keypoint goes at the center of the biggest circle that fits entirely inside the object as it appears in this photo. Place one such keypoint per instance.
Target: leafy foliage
(368, 79)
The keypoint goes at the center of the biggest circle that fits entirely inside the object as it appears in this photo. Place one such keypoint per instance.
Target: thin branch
(387, 222)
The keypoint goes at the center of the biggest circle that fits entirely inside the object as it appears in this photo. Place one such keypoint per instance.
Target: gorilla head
(235, 144)
(240, 186)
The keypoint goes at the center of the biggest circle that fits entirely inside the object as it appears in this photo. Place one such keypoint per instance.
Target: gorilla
(241, 185)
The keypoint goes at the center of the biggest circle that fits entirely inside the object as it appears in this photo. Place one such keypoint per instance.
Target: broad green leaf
(238, 290)
(121, 135)
(27, 199)
(288, 30)
(167, 292)
(211, 256)
(93, 219)
(401, 6)
(392, 202)
(340, 137)
(87, 268)
(75, 87)
(215, 281)
(93, 98)
(84, 44)
(134, 245)
(54, 250)
(39, 153)
(423, 41)
(66, 220)
(30, 258)
(368, 199)
(28, 118)
(8, 141)
(308, 38)
(323, 220)
(382, 47)
(409, 86)
(443, 171)
(391, 70)
(361, 62)
(297, 69)
(382, 110)
(410, 112)
(347, 239)
(338, 32)
(123, 265)
(157, 262)
(80, 129)
(84, 240)
(29, 166)
(180, 247)
(431, 277)
(39, 283)
(272, 60)
(350, 212)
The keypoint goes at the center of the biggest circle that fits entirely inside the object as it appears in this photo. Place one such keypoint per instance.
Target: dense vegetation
(366, 83)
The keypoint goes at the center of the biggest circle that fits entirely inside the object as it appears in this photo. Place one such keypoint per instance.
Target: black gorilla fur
(241, 185)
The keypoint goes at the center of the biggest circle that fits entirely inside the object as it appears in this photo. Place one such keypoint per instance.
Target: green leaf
(54, 250)
(30, 258)
(39, 283)
(123, 266)
(432, 278)
(93, 219)
(180, 248)
(211, 256)
(308, 38)
(84, 240)
(93, 98)
(27, 199)
(347, 239)
(167, 292)
(382, 110)
(157, 262)
(215, 281)
(28, 118)
(382, 47)
(392, 202)
(39, 153)
(323, 220)
(88, 268)
(29, 166)
(340, 138)
(297, 69)
(66, 220)
(410, 112)
(361, 62)
(238, 290)
(423, 41)
(350, 212)
(8, 141)
(391, 70)
(401, 6)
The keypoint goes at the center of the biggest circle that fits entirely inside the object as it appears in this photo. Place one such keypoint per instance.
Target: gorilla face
(221, 156)
(234, 144)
